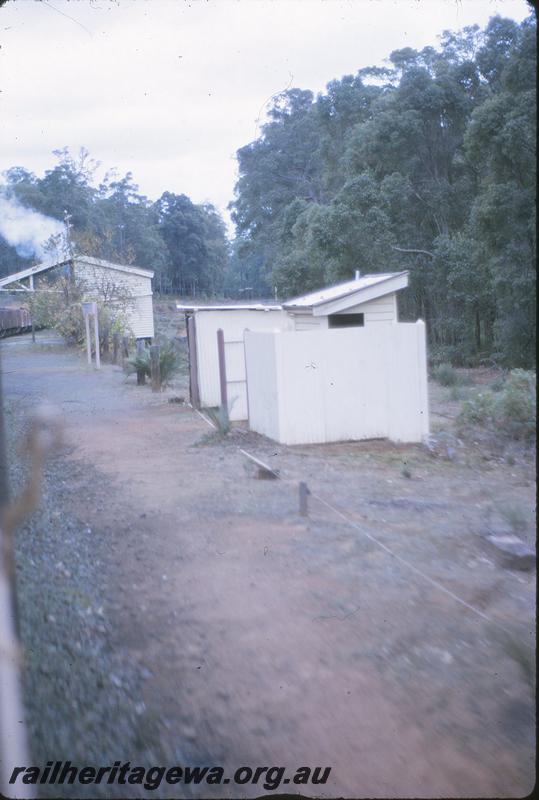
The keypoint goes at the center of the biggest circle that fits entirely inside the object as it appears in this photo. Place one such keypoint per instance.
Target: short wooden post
(141, 375)
(88, 342)
(96, 336)
(105, 340)
(125, 350)
(222, 369)
(115, 347)
(155, 368)
(303, 495)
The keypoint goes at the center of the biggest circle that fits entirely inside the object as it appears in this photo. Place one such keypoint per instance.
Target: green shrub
(140, 363)
(55, 309)
(219, 416)
(445, 354)
(59, 307)
(446, 375)
(510, 412)
(515, 408)
(45, 307)
(479, 411)
(70, 324)
(168, 362)
(498, 383)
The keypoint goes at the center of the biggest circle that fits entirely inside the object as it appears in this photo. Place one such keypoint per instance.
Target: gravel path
(174, 610)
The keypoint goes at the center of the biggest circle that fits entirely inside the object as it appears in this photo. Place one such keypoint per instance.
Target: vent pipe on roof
(358, 274)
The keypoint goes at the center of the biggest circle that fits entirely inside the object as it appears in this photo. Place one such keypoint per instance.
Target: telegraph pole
(67, 223)
(69, 249)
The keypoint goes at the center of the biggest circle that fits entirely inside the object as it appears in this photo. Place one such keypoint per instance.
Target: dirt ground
(177, 610)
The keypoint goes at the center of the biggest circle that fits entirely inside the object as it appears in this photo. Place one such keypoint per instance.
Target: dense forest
(184, 243)
(426, 165)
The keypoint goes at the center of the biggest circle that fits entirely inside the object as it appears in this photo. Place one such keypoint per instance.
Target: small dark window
(346, 320)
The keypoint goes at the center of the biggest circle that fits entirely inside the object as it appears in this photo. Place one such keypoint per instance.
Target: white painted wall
(233, 323)
(140, 317)
(307, 322)
(103, 279)
(339, 384)
(263, 373)
(383, 309)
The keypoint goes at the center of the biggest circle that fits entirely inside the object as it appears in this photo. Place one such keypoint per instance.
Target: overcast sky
(169, 90)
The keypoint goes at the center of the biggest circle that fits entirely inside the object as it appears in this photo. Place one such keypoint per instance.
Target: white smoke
(26, 230)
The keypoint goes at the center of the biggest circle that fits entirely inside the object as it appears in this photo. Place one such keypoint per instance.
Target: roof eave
(257, 307)
(386, 285)
(100, 262)
(293, 306)
(394, 283)
(26, 273)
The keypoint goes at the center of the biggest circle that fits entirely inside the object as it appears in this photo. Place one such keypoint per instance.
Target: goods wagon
(14, 320)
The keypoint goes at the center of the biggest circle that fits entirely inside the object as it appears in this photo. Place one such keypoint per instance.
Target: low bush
(455, 393)
(59, 307)
(168, 362)
(510, 412)
(140, 363)
(479, 411)
(443, 354)
(498, 383)
(219, 417)
(446, 375)
(516, 405)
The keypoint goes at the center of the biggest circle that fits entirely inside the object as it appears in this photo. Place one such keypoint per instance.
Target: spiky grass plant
(139, 363)
(168, 363)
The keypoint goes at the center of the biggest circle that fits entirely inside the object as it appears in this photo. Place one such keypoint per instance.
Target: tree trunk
(477, 329)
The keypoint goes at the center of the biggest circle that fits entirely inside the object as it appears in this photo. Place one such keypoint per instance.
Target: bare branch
(406, 250)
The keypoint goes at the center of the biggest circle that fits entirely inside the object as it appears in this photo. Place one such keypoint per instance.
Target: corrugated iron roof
(250, 307)
(97, 262)
(340, 290)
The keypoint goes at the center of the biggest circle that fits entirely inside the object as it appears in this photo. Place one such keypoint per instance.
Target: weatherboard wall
(383, 309)
(140, 317)
(105, 281)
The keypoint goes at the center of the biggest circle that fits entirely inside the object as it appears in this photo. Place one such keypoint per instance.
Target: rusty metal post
(222, 369)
